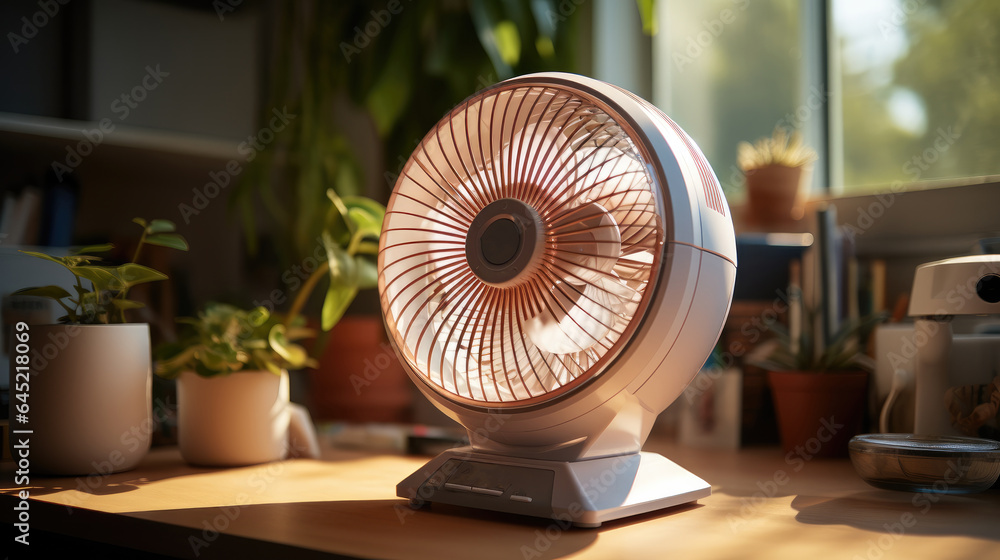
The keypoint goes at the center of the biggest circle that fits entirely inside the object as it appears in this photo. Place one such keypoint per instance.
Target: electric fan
(556, 263)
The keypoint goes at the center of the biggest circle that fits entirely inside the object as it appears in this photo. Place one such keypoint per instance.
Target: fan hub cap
(504, 241)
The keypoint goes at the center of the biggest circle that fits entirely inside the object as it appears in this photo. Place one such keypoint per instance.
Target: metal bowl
(938, 464)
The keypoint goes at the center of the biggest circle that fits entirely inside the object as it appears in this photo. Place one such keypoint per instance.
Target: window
(734, 74)
(920, 89)
(885, 90)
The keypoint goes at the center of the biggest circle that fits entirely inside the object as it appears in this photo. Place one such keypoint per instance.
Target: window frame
(911, 220)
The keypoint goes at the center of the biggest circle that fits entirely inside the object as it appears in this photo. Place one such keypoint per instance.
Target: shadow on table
(382, 528)
(102, 484)
(972, 515)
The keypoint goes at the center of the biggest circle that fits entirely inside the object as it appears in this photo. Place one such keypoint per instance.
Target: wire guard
(561, 273)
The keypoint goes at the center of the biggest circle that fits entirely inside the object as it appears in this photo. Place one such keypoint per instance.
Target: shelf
(22, 133)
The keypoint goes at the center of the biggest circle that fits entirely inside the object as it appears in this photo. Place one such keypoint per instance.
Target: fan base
(582, 493)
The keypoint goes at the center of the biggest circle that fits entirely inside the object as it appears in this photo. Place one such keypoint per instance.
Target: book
(21, 226)
(59, 214)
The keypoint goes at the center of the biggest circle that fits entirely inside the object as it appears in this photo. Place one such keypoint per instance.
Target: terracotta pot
(89, 397)
(359, 378)
(775, 194)
(818, 412)
(233, 420)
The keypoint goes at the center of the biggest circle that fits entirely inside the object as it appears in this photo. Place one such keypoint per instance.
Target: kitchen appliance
(943, 290)
(957, 386)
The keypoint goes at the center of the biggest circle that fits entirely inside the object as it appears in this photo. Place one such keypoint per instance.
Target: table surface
(344, 504)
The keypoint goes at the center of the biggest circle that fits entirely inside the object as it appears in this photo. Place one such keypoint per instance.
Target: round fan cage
(521, 246)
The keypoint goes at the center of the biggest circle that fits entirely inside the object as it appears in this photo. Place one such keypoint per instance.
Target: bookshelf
(75, 147)
(54, 133)
(133, 171)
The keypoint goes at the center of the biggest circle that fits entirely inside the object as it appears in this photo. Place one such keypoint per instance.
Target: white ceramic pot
(233, 420)
(89, 398)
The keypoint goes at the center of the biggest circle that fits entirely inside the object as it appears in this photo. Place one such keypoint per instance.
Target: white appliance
(942, 290)
(556, 264)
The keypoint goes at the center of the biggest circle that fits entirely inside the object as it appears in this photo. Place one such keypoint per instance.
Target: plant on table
(815, 381)
(781, 148)
(106, 300)
(107, 367)
(351, 231)
(791, 351)
(224, 339)
(777, 170)
(221, 342)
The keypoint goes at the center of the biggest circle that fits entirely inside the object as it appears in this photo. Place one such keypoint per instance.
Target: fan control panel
(509, 488)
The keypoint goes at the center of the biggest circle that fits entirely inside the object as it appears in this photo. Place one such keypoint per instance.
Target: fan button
(520, 498)
(487, 491)
(457, 487)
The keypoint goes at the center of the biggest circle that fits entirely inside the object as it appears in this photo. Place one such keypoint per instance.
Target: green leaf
(347, 177)
(336, 225)
(366, 215)
(485, 23)
(172, 366)
(172, 240)
(266, 359)
(292, 353)
(54, 292)
(365, 225)
(160, 226)
(101, 277)
(255, 344)
(127, 304)
(131, 274)
(103, 248)
(647, 11)
(364, 203)
(545, 47)
(58, 260)
(343, 270)
(77, 260)
(508, 42)
(367, 272)
(220, 359)
(139, 221)
(298, 333)
(338, 299)
(367, 248)
(258, 316)
(391, 93)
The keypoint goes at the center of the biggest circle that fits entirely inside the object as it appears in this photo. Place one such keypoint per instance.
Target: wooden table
(344, 505)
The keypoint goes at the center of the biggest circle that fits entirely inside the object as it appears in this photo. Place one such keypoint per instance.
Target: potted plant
(820, 391)
(777, 170)
(231, 367)
(90, 375)
(358, 377)
(232, 364)
(350, 236)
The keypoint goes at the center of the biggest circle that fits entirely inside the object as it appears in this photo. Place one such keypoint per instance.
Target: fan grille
(552, 323)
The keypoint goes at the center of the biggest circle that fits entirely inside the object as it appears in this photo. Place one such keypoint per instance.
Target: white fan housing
(556, 264)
